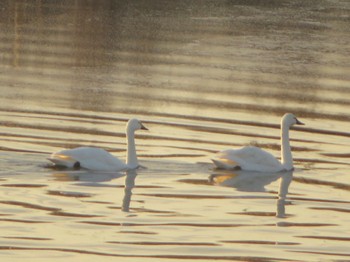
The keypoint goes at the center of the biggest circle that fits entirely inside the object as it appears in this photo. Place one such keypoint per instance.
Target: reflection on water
(86, 176)
(285, 181)
(161, 57)
(204, 76)
(129, 185)
(247, 181)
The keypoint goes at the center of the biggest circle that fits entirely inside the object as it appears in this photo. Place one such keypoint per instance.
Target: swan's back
(88, 157)
(248, 158)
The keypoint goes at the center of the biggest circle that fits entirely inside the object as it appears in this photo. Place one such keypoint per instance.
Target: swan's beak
(143, 127)
(298, 122)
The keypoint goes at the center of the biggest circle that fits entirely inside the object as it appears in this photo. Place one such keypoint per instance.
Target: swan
(99, 159)
(252, 158)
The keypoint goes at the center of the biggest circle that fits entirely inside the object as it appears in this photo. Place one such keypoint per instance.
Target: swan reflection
(256, 182)
(285, 181)
(86, 176)
(129, 185)
(247, 181)
(95, 177)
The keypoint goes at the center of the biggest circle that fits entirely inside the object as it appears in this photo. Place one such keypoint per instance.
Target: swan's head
(290, 120)
(135, 124)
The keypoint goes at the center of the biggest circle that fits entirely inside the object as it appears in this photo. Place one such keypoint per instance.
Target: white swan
(99, 159)
(252, 158)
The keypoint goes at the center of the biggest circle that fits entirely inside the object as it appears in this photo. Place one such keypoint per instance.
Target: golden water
(203, 76)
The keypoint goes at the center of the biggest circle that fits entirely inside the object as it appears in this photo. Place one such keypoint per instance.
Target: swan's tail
(225, 164)
(63, 161)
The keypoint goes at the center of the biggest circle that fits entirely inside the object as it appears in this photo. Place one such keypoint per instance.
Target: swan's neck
(131, 159)
(287, 159)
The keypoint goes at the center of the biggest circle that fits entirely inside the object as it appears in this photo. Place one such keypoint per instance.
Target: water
(203, 76)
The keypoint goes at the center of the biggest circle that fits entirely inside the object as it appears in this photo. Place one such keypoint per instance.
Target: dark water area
(203, 76)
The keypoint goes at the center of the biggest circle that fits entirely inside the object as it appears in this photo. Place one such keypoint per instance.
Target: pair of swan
(248, 158)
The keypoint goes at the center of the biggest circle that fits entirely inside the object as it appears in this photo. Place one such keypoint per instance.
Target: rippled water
(203, 76)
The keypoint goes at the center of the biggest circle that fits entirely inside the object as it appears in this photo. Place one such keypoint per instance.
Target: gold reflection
(170, 61)
(221, 178)
(245, 181)
(16, 44)
(85, 175)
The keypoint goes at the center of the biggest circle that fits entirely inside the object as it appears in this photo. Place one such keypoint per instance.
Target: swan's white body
(252, 158)
(248, 158)
(99, 159)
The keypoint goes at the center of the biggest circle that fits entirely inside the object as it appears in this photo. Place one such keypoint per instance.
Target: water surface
(203, 76)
